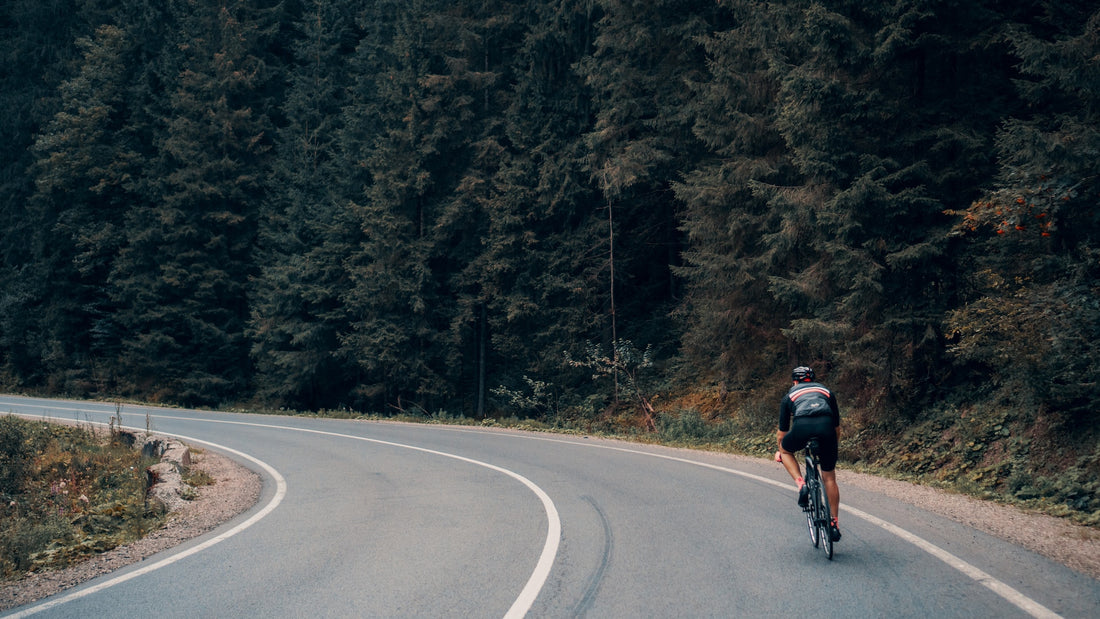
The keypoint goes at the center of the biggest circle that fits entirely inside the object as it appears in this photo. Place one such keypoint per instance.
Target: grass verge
(67, 493)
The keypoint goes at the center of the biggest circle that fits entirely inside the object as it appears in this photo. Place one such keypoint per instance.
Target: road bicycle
(818, 515)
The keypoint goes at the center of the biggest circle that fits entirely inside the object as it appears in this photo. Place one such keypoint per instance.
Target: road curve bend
(376, 519)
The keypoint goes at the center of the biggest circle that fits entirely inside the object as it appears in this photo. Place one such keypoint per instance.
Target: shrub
(68, 493)
(686, 426)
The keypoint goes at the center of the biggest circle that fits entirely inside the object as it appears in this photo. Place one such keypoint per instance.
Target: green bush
(688, 426)
(13, 456)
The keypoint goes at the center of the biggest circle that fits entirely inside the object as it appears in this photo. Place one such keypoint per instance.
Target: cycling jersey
(807, 400)
(809, 410)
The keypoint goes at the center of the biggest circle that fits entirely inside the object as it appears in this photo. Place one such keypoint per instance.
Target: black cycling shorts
(805, 428)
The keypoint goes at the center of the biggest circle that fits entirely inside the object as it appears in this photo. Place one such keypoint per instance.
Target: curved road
(368, 519)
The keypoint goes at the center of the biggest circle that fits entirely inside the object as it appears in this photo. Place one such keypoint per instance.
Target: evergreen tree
(859, 243)
(297, 314)
(730, 318)
(645, 54)
(400, 131)
(477, 76)
(523, 297)
(87, 168)
(1030, 318)
(180, 280)
(40, 34)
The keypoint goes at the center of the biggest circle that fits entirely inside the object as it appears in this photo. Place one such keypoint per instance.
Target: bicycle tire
(824, 519)
(811, 515)
(812, 482)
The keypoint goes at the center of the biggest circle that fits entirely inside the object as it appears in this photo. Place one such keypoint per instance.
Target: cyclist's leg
(792, 442)
(832, 491)
(790, 462)
(829, 444)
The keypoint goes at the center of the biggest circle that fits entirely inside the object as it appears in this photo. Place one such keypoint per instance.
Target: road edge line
(280, 492)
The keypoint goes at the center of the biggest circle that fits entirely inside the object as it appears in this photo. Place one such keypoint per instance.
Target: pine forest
(602, 213)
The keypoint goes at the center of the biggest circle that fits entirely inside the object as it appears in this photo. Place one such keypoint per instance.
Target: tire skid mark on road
(1006, 592)
(589, 597)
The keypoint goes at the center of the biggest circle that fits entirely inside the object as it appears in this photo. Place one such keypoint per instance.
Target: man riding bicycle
(809, 410)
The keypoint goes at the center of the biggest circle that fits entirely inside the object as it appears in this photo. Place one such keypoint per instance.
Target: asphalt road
(370, 519)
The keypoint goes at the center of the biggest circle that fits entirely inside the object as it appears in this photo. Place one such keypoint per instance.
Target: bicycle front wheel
(824, 518)
(811, 524)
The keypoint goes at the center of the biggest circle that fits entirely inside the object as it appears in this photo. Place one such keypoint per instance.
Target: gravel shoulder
(1075, 546)
(237, 488)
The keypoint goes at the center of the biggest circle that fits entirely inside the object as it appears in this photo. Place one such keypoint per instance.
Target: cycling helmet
(802, 374)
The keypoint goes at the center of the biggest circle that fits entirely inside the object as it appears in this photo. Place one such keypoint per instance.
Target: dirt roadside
(1075, 546)
(234, 490)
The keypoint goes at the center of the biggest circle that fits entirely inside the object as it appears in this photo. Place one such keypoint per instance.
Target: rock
(178, 453)
(166, 484)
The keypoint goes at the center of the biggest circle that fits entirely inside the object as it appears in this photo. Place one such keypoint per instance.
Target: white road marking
(542, 570)
(538, 578)
(1006, 592)
(280, 492)
(519, 608)
(1018, 599)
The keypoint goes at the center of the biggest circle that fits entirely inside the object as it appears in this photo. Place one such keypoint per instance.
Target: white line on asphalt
(280, 492)
(519, 608)
(538, 578)
(1020, 600)
(1006, 592)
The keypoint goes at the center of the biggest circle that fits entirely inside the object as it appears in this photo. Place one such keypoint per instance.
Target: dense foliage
(420, 205)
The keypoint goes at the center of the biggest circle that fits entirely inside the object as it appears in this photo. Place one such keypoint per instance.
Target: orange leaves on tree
(1009, 210)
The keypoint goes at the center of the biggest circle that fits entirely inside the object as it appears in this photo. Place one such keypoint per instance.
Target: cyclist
(809, 410)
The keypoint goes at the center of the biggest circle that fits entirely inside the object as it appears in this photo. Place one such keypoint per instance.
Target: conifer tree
(730, 319)
(523, 296)
(86, 173)
(297, 314)
(40, 34)
(180, 281)
(476, 73)
(1030, 321)
(827, 277)
(398, 130)
(645, 53)
(860, 238)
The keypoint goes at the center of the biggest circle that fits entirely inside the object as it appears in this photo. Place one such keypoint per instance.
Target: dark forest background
(478, 206)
